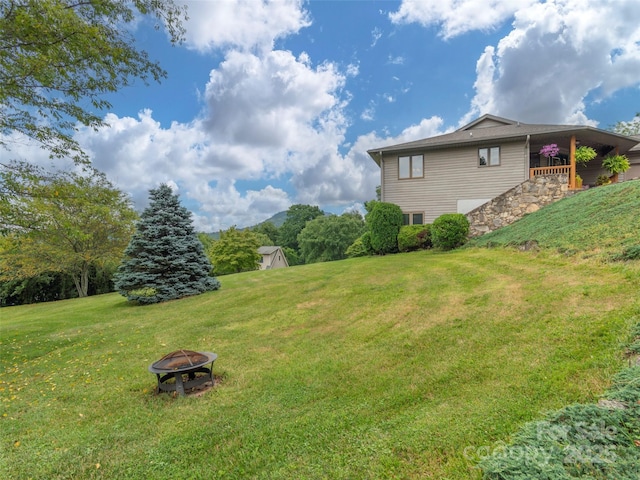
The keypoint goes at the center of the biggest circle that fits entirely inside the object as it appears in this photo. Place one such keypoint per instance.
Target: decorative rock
(528, 197)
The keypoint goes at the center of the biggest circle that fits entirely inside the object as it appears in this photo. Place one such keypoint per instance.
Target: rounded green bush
(414, 237)
(384, 222)
(357, 248)
(450, 231)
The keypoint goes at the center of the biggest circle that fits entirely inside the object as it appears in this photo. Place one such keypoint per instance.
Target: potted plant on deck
(584, 155)
(616, 164)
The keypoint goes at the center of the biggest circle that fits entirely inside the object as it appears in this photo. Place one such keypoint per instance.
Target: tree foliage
(384, 221)
(327, 238)
(269, 230)
(628, 128)
(293, 257)
(59, 58)
(164, 259)
(297, 218)
(51, 286)
(64, 222)
(235, 252)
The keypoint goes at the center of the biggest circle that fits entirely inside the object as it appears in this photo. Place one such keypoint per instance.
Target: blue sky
(268, 104)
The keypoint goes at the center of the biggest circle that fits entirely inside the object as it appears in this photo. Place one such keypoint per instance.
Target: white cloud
(455, 17)
(270, 117)
(243, 24)
(557, 55)
(376, 34)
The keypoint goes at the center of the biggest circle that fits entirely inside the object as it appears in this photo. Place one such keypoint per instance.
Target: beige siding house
(460, 171)
(634, 159)
(272, 257)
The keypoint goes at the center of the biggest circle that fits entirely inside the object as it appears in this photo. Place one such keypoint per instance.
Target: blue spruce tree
(165, 259)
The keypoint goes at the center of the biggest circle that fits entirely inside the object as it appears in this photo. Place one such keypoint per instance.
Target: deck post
(572, 163)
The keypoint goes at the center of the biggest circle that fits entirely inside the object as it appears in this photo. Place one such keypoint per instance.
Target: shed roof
(267, 250)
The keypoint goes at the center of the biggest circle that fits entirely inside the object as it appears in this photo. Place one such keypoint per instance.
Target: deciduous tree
(297, 218)
(235, 252)
(59, 58)
(61, 222)
(628, 128)
(268, 229)
(327, 238)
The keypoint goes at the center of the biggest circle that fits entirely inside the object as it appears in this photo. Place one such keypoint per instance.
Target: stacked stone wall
(514, 204)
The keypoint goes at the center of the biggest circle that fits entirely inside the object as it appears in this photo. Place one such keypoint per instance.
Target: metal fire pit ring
(183, 362)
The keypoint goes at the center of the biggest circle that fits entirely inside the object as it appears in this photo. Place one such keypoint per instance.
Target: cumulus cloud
(559, 55)
(268, 116)
(243, 24)
(455, 17)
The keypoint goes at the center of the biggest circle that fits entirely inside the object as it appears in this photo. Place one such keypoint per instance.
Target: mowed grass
(385, 367)
(598, 222)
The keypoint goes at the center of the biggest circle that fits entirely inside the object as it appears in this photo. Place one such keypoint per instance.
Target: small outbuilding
(272, 257)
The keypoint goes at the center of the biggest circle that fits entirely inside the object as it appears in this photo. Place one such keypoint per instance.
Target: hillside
(413, 365)
(382, 367)
(600, 221)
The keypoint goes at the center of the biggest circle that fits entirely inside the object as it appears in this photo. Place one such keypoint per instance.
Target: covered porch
(564, 162)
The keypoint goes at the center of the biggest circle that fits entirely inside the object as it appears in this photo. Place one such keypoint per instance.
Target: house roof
(267, 250)
(503, 129)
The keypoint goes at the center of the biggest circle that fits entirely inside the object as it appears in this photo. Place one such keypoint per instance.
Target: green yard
(385, 367)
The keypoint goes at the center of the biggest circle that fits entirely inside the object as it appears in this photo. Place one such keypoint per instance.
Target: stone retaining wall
(512, 205)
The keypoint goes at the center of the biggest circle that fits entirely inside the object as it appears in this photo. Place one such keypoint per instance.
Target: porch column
(572, 163)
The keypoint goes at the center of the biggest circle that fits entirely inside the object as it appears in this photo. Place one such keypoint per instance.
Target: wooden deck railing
(557, 170)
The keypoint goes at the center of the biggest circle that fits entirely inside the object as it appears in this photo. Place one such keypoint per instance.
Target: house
(460, 171)
(272, 257)
(634, 159)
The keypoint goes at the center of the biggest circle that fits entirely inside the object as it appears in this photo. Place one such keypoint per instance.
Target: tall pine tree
(165, 259)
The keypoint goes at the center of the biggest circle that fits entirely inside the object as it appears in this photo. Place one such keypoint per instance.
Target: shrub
(603, 180)
(414, 237)
(449, 231)
(384, 222)
(357, 248)
(366, 243)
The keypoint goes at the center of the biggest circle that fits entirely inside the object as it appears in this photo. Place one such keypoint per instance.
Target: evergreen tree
(165, 259)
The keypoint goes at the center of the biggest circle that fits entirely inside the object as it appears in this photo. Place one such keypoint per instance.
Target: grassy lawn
(385, 367)
(599, 222)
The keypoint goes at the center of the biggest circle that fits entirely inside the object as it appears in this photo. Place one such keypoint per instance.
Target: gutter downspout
(381, 177)
(527, 158)
(572, 162)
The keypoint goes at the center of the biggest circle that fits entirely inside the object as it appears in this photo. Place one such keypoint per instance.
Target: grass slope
(598, 221)
(386, 367)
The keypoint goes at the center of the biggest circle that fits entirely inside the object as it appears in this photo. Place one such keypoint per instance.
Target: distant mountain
(278, 219)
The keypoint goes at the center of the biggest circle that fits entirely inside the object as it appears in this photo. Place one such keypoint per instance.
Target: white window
(489, 157)
(410, 167)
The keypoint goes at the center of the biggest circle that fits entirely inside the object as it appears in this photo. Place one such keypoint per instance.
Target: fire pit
(183, 362)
